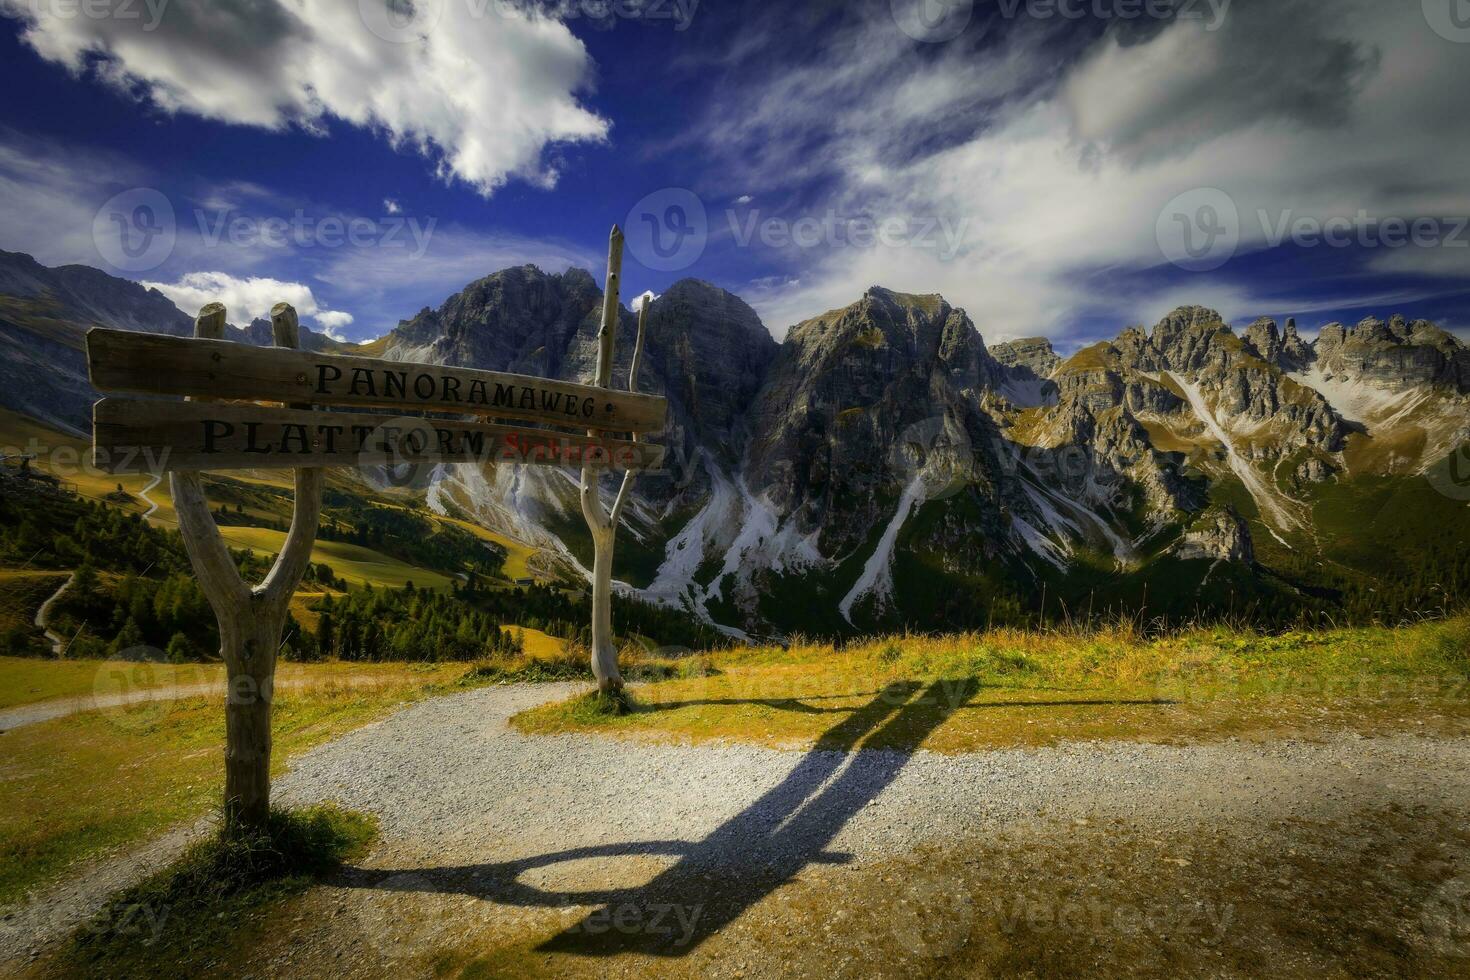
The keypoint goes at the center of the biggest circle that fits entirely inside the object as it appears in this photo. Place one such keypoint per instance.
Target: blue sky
(1055, 167)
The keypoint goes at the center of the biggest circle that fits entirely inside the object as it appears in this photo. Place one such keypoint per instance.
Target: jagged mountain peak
(1396, 354)
(678, 308)
(906, 326)
(1034, 356)
(931, 304)
(1187, 319)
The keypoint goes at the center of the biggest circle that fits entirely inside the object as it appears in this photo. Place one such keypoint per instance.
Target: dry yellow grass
(77, 786)
(1008, 687)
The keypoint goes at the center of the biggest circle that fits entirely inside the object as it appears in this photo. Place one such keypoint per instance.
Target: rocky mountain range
(45, 314)
(883, 466)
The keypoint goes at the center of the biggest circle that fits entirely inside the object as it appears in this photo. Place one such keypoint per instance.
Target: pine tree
(324, 634)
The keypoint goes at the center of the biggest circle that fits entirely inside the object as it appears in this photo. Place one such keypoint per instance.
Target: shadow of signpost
(715, 879)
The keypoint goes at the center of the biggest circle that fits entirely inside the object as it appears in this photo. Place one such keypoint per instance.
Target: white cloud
(648, 296)
(247, 299)
(481, 88)
(332, 322)
(453, 257)
(1295, 109)
(332, 319)
(744, 199)
(391, 206)
(50, 194)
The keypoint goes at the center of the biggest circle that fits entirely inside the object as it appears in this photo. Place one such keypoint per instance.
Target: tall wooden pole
(603, 523)
(250, 619)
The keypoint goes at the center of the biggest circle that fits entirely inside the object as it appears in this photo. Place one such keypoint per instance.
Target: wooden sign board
(155, 437)
(155, 364)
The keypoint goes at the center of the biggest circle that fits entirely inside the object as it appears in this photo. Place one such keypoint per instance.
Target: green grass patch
(78, 788)
(176, 922)
(572, 662)
(1007, 687)
(29, 680)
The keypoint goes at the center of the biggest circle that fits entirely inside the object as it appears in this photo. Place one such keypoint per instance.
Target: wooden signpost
(145, 436)
(223, 426)
(154, 364)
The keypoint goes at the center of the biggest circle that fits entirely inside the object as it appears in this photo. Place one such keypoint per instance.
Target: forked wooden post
(250, 619)
(600, 521)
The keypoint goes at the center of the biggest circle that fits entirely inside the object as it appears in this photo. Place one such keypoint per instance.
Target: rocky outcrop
(831, 445)
(521, 320)
(1396, 354)
(1243, 388)
(1220, 534)
(1033, 355)
(705, 350)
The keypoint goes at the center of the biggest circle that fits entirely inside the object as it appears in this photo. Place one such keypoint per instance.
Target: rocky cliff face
(1219, 535)
(706, 351)
(846, 391)
(521, 320)
(1033, 355)
(1395, 355)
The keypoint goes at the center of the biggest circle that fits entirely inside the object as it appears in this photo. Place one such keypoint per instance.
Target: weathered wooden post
(600, 521)
(250, 619)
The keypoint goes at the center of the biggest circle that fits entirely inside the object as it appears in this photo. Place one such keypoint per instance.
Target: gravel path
(31, 714)
(449, 775)
(43, 617)
(469, 807)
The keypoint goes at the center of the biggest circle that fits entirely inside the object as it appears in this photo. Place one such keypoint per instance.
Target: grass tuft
(596, 705)
(174, 922)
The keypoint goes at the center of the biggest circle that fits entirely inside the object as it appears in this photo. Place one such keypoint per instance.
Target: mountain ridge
(884, 466)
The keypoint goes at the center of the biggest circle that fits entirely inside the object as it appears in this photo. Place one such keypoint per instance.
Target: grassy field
(356, 564)
(63, 456)
(29, 680)
(1009, 688)
(518, 555)
(78, 787)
